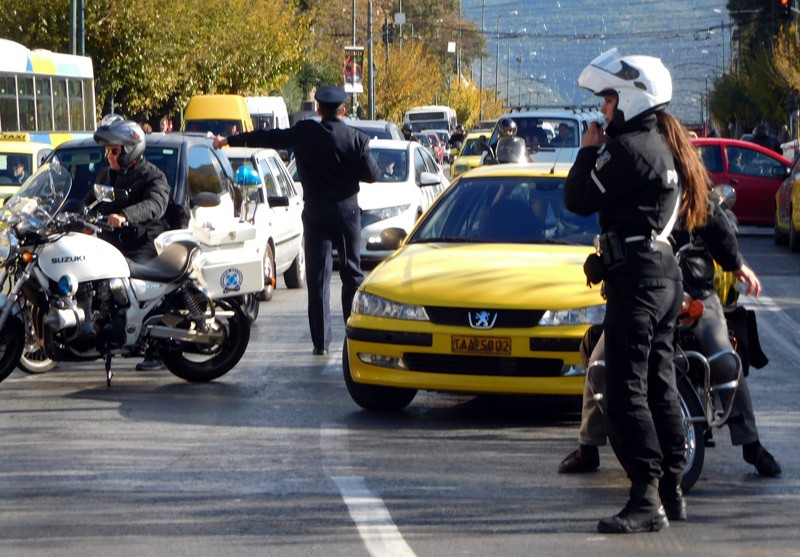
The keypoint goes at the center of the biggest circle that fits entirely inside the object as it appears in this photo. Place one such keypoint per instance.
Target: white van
(267, 113)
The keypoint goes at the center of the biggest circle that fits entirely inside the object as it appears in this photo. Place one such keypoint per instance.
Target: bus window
(8, 104)
(47, 95)
(27, 108)
(60, 104)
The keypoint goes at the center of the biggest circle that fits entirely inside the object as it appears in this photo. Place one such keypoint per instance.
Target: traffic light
(785, 9)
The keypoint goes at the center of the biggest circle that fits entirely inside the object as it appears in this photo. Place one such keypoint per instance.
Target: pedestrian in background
(332, 157)
(629, 177)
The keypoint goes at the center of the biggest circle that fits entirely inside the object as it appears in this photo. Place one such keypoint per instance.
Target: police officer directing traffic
(332, 157)
(632, 183)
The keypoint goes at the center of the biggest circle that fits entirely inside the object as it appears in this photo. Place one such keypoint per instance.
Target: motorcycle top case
(232, 271)
(231, 233)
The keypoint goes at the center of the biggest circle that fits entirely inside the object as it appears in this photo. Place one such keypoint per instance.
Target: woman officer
(634, 185)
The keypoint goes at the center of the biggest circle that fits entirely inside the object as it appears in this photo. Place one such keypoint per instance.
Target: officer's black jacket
(631, 182)
(715, 241)
(332, 157)
(148, 195)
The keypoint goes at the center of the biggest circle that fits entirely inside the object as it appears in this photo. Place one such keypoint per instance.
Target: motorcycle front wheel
(12, 340)
(694, 421)
(202, 363)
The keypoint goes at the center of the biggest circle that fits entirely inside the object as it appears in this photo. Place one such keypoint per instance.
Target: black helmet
(407, 127)
(506, 125)
(125, 133)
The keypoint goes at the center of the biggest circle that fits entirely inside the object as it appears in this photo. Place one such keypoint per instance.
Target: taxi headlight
(592, 315)
(369, 304)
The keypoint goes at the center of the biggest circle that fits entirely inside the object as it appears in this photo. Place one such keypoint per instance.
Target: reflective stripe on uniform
(597, 182)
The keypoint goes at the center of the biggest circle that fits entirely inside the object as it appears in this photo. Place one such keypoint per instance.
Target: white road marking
(373, 521)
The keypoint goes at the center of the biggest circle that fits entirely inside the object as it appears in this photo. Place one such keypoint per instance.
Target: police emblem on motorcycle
(231, 280)
(482, 319)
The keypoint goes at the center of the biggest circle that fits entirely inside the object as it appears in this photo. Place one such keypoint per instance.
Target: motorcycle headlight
(369, 304)
(592, 315)
(7, 244)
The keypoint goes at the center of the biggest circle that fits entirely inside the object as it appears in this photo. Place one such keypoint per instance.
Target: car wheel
(295, 276)
(794, 236)
(374, 397)
(269, 275)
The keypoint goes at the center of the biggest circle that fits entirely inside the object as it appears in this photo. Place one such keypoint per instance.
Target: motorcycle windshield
(41, 196)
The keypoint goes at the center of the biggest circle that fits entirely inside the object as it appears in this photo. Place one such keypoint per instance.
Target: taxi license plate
(480, 345)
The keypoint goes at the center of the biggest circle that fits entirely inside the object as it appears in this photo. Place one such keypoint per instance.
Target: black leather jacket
(148, 195)
(697, 251)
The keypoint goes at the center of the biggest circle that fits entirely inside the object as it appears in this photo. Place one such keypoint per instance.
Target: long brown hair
(694, 207)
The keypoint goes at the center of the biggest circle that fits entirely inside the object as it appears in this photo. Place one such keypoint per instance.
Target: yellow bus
(48, 96)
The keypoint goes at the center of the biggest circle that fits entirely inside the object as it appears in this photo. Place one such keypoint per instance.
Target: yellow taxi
(19, 158)
(469, 156)
(485, 295)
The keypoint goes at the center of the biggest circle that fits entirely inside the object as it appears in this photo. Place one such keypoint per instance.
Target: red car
(755, 172)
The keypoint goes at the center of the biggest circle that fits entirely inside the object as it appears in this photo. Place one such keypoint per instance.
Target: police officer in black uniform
(332, 158)
(633, 185)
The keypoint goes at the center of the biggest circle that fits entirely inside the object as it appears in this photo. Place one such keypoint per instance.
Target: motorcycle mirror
(106, 194)
(727, 194)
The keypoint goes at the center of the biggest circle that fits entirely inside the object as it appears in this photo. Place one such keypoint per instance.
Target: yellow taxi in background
(469, 156)
(485, 295)
(19, 158)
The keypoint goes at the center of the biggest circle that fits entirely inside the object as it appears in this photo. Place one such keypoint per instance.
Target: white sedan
(276, 210)
(409, 181)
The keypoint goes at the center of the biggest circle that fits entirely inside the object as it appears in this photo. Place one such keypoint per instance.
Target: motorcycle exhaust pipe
(170, 333)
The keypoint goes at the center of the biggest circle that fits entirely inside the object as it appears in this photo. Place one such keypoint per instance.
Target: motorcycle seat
(171, 265)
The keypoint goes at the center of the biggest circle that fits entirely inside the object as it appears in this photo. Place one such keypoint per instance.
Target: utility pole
(371, 62)
(480, 86)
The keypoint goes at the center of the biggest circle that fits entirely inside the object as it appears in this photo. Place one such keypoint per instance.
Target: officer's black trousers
(647, 431)
(328, 225)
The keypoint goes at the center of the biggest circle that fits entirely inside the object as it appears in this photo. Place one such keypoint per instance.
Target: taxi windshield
(514, 209)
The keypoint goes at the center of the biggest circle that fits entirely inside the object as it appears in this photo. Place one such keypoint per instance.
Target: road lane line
(373, 521)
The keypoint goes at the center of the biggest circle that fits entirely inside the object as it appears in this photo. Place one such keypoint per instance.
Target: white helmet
(642, 83)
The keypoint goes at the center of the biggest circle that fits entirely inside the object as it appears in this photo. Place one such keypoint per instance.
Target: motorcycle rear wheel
(206, 364)
(695, 434)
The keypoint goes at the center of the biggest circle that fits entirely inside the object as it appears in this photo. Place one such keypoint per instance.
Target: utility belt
(612, 251)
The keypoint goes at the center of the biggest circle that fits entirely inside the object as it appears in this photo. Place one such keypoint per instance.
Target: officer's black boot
(669, 489)
(642, 513)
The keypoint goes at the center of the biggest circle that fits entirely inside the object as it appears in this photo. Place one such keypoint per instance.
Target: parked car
(787, 209)
(755, 172)
(276, 209)
(410, 180)
(487, 294)
(470, 154)
(15, 148)
(376, 129)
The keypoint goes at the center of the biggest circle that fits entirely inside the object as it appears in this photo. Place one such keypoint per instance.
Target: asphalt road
(275, 459)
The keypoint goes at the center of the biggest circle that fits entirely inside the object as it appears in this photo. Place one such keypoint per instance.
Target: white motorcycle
(82, 300)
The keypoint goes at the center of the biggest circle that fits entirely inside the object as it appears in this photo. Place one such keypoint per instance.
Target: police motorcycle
(85, 301)
(705, 400)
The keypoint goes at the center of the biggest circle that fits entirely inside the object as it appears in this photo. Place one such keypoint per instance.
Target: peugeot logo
(482, 319)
